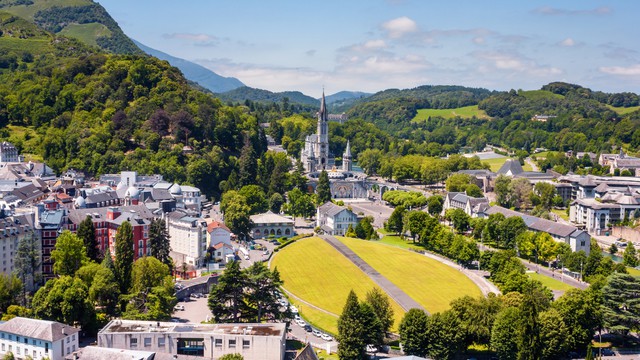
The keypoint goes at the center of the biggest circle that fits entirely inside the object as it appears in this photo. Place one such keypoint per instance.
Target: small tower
(322, 145)
(346, 158)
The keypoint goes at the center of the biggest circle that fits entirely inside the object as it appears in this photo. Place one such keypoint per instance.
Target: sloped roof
(511, 165)
(270, 218)
(536, 223)
(217, 225)
(38, 329)
(330, 209)
(307, 353)
(221, 245)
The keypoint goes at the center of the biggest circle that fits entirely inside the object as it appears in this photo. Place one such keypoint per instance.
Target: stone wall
(626, 233)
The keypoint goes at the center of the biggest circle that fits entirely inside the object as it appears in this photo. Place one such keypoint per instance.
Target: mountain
(343, 100)
(196, 73)
(84, 20)
(258, 95)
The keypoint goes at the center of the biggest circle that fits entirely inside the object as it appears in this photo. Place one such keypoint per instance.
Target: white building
(188, 237)
(472, 206)
(315, 154)
(334, 219)
(218, 233)
(253, 341)
(12, 230)
(39, 339)
(191, 197)
(271, 225)
(8, 153)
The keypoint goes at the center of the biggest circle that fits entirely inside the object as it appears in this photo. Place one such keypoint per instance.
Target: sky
(373, 45)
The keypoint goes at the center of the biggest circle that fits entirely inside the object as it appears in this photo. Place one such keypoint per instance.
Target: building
(334, 219)
(472, 206)
(49, 225)
(39, 339)
(188, 238)
(576, 239)
(315, 154)
(8, 153)
(253, 341)
(268, 224)
(346, 158)
(218, 233)
(13, 229)
(221, 252)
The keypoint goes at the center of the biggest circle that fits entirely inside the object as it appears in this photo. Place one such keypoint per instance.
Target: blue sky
(372, 45)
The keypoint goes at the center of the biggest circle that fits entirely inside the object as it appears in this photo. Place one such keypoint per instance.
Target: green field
(87, 33)
(463, 112)
(561, 212)
(317, 273)
(633, 271)
(432, 284)
(28, 11)
(624, 110)
(544, 154)
(539, 94)
(496, 163)
(551, 283)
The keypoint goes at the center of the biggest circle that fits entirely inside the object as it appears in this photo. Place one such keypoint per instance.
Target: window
(217, 342)
(18, 350)
(73, 337)
(133, 343)
(26, 341)
(232, 343)
(2, 347)
(246, 344)
(161, 342)
(582, 243)
(68, 339)
(147, 342)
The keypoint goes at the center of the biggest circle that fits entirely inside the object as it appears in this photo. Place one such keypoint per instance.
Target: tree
(415, 222)
(152, 293)
(509, 230)
(372, 330)
(477, 316)
(546, 192)
(69, 254)
(87, 233)
(381, 306)
(520, 191)
(458, 182)
(256, 198)
(553, 335)
(620, 303)
(581, 311)
(630, 257)
(413, 332)
(300, 204)
(613, 249)
(323, 189)
(529, 345)
(226, 299)
(248, 165)
(231, 357)
(124, 256)
(351, 232)
(159, 242)
(263, 293)
(505, 332)
(395, 222)
(237, 217)
(64, 299)
(10, 288)
(445, 339)
(459, 219)
(434, 205)
(351, 339)
(104, 290)
(26, 263)
(364, 229)
(275, 202)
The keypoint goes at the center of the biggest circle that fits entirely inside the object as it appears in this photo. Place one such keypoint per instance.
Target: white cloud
(567, 42)
(478, 40)
(548, 10)
(197, 39)
(375, 44)
(633, 70)
(399, 27)
(514, 63)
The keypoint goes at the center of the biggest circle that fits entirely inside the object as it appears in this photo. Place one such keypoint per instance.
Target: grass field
(496, 163)
(396, 240)
(543, 155)
(86, 33)
(633, 271)
(539, 94)
(465, 112)
(624, 110)
(561, 212)
(429, 282)
(317, 273)
(29, 11)
(551, 283)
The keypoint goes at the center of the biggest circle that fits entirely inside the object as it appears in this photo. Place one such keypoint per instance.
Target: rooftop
(270, 218)
(134, 326)
(38, 329)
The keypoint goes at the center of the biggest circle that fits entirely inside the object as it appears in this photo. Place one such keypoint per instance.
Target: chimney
(75, 356)
(64, 332)
(113, 213)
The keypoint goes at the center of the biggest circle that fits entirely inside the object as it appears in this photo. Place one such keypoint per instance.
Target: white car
(293, 309)
(326, 337)
(178, 307)
(301, 322)
(316, 333)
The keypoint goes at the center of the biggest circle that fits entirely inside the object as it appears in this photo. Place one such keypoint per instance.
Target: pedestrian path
(404, 300)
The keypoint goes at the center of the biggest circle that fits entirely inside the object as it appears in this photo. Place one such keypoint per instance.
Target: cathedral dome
(80, 202)
(132, 193)
(175, 189)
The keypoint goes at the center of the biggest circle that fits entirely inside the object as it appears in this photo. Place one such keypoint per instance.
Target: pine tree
(248, 165)
(27, 263)
(529, 344)
(350, 232)
(159, 242)
(413, 332)
(124, 256)
(227, 300)
(351, 330)
(630, 258)
(87, 233)
(379, 301)
(323, 189)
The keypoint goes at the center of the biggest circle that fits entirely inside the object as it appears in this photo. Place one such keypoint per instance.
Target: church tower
(346, 158)
(322, 146)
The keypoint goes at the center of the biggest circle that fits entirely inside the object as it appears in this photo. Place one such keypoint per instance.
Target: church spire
(347, 152)
(322, 115)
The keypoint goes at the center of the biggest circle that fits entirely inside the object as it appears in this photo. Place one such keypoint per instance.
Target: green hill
(84, 20)
(258, 95)
(465, 112)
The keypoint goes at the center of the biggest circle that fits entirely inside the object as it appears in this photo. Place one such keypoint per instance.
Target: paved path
(387, 286)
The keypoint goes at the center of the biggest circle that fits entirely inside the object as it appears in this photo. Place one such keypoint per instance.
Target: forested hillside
(244, 93)
(84, 20)
(76, 107)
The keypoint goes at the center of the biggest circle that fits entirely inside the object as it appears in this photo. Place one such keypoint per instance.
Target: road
(534, 166)
(377, 209)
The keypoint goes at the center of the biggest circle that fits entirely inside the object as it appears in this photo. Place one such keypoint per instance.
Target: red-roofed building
(220, 251)
(217, 233)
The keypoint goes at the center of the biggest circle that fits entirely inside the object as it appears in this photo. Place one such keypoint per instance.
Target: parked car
(301, 323)
(316, 333)
(371, 348)
(308, 328)
(605, 352)
(326, 337)
(178, 307)
(293, 309)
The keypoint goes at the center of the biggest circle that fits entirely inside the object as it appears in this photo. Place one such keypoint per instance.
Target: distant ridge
(259, 95)
(196, 73)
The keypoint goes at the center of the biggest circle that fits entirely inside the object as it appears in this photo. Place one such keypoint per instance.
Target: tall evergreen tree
(381, 306)
(263, 292)
(248, 165)
(630, 257)
(395, 222)
(323, 189)
(413, 332)
(529, 343)
(373, 333)
(227, 300)
(159, 242)
(87, 233)
(27, 262)
(350, 330)
(124, 256)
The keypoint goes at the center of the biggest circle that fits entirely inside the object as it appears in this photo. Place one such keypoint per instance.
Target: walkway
(387, 286)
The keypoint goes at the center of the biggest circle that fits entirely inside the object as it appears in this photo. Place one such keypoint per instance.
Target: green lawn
(87, 33)
(539, 94)
(551, 283)
(465, 112)
(432, 284)
(543, 155)
(317, 273)
(496, 163)
(29, 11)
(396, 240)
(562, 213)
(633, 271)
(624, 110)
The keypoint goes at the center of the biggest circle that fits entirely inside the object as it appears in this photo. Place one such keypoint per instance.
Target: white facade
(191, 196)
(334, 219)
(188, 237)
(209, 341)
(218, 233)
(315, 154)
(39, 339)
